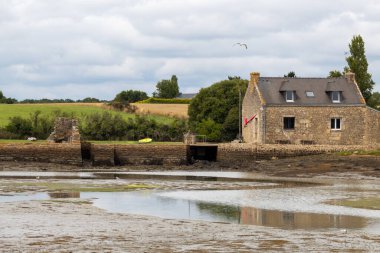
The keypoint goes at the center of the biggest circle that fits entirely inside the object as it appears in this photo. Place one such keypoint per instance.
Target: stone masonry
(65, 131)
(359, 124)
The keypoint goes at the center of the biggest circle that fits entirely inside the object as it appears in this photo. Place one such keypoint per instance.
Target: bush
(19, 126)
(211, 129)
(4, 134)
(37, 125)
(97, 126)
(107, 127)
(118, 106)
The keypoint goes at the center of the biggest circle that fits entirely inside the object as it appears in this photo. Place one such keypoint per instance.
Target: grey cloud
(49, 47)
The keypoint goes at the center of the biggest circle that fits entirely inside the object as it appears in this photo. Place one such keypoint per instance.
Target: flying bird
(242, 45)
(345, 53)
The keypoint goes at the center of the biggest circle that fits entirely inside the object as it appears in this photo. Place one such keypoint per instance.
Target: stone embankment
(49, 152)
(230, 152)
(137, 154)
(152, 154)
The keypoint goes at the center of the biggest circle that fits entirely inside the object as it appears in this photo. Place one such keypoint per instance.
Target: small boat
(146, 140)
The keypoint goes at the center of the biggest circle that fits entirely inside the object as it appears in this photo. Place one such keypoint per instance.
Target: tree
(89, 100)
(335, 74)
(5, 100)
(215, 103)
(167, 88)
(291, 74)
(374, 100)
(130, 96)
(357, 63)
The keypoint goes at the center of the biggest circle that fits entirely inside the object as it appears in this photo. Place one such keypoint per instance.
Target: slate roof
(187, 95)
(273, 88)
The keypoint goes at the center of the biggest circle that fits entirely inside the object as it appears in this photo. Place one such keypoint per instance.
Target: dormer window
(289, 96)
(335, 96)
(310, 94)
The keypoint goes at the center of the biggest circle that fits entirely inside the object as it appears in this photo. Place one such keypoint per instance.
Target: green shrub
(19, 126)
(107, 127)
(211, 129)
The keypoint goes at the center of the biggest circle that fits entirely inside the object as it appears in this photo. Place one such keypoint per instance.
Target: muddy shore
(75, 225)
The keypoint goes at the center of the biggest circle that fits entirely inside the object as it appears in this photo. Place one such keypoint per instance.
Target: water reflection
(64, 195)
(155, 205)
(290, 220)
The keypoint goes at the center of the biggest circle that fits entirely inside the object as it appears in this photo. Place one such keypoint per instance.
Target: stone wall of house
(138, 154)
(313, 125)
(49, 152)
(372, 126)
(253, 131)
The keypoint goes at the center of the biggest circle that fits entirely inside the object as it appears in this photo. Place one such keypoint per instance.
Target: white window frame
(291, 99)
(310, 94)
(334, 124)
(335, 100)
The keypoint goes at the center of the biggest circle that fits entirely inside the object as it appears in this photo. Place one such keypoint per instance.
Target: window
(289, 123)
(335, 96)
(310, 94)
(335, 124)
(289, 96)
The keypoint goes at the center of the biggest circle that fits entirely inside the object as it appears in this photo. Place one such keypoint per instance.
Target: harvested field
(172, 110)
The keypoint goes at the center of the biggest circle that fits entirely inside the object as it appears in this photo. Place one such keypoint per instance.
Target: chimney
(350, 76)
(255, 76)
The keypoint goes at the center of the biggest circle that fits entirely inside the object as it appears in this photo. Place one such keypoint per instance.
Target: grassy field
(77, 109)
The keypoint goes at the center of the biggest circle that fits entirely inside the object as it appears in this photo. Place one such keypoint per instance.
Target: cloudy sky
(80, 48)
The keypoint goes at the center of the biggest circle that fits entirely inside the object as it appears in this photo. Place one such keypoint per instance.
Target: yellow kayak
(146, 140)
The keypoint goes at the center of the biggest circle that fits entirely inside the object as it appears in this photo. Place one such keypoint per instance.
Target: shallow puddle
(46, 174)
(148, 203)
(154, 204)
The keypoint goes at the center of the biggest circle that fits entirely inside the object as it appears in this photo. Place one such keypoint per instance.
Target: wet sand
(75, 225)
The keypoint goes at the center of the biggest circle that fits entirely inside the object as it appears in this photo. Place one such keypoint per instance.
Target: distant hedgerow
(165, 101)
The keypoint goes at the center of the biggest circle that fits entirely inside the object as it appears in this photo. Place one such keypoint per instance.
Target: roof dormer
(335, 92)
(289, 96)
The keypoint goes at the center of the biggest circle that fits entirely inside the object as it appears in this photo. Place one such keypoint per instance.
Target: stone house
(308, 111)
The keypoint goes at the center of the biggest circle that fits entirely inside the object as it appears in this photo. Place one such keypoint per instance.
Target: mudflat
(77, 225)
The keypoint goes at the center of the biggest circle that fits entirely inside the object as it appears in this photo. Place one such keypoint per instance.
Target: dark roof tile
(272, 89)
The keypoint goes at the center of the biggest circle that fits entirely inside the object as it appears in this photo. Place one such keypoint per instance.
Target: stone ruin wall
(65, 131)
